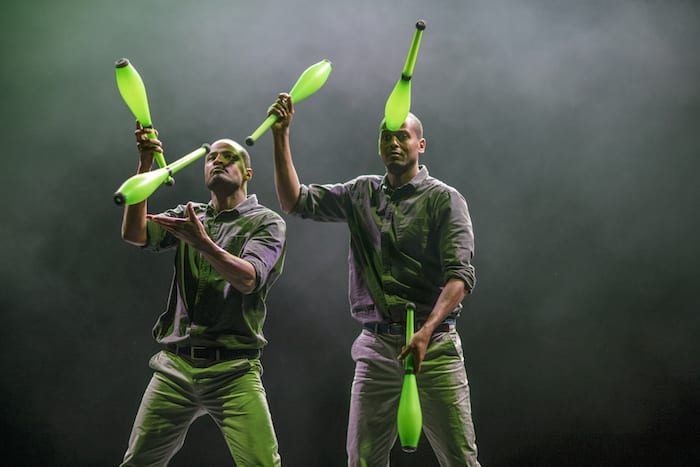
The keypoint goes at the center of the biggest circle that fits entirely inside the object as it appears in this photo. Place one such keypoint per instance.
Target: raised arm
(286, 180)
(134, 220)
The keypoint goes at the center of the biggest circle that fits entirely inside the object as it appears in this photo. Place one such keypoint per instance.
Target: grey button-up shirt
(405, 243)
(203, 308)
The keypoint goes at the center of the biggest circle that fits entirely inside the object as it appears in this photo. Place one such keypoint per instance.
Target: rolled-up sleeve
(456, 239)
(265, 250)
(325, 203)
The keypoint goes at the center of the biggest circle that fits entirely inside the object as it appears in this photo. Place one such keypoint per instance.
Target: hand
(417, 346)
(189, 229)
(146, 145)
(284, 109)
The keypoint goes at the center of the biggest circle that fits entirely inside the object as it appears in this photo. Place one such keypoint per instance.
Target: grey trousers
(231, 392)
(443, 392)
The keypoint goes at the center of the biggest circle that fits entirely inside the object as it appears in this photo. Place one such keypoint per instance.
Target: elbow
(286, 208)
(287, 203)
(247, 287)
(247, 284)
(132, 239)
(289, 200)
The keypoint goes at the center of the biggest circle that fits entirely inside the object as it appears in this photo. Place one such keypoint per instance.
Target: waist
(399, 328)
(198, 354)
(368, 313)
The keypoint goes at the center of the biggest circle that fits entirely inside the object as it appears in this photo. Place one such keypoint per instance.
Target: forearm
(236, 271)
(134, 219)
(452, 294)
(286, 179)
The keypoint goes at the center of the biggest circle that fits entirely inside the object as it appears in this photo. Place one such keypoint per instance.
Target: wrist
(280, 132)
(144, 167)
(206, 246)
(427, 329)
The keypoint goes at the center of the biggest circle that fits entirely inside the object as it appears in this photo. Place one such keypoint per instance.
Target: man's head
(227, 167)
(400, 149)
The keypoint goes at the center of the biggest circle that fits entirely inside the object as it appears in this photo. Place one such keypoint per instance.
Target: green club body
(133, 92)
(409, 419)
(310, 81)
(398, 105)
(141, 186)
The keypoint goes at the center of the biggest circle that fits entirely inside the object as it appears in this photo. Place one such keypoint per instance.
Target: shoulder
(265, 215)
(440, 188)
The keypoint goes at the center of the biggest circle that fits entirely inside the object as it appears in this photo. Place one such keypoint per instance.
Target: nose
(221, 159)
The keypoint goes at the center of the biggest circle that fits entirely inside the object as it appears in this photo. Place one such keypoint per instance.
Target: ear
(248, 174)
(421, 145)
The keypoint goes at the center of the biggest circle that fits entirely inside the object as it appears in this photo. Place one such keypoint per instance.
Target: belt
(400, 328)
(211, 354)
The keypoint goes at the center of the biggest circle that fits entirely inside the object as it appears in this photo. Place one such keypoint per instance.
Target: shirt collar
(410, 186)
(250, 203)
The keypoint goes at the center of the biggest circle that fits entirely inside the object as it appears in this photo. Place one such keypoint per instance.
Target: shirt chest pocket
(412, 233)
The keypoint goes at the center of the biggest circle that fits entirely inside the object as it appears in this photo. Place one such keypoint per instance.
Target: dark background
(570, 127)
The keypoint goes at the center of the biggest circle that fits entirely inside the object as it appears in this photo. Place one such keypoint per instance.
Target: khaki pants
(231, 392)
(443, 392)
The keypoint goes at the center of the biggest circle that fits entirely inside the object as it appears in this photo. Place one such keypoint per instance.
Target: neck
(398, 180)
(222, 202)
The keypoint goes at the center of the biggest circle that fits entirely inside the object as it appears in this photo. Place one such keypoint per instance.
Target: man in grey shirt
(411, 240)
(229, 252)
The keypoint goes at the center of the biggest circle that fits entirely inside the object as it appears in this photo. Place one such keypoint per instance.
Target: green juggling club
(310, 81)
(133, 92)
(141, 186)
(410, 418)
(399, 102)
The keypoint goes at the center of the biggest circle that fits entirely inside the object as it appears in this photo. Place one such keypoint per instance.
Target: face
(224, 167)
(400, 149)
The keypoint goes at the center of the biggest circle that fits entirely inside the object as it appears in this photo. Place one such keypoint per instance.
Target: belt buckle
(195, 351)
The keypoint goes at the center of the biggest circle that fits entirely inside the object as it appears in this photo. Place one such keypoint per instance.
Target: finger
(168, 221)
(190, 212)
(276, 109)
(150, 143)
(418, 359)
(404, 353)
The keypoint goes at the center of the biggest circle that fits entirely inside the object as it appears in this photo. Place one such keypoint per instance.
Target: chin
(395, 168)
(222, 185)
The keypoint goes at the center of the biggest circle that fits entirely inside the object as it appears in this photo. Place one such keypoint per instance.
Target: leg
(166, 412)
(374, 399)
(235, 398)
(444, 394)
